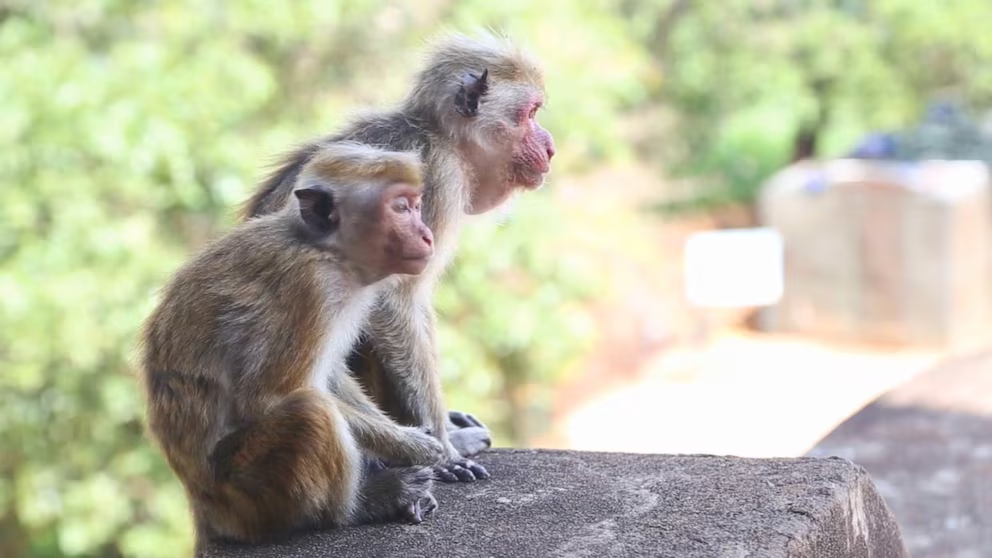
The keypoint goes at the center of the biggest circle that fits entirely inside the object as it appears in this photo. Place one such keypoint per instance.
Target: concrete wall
(885, 252)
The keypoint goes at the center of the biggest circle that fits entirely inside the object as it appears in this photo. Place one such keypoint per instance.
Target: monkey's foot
(464, 420)
(467, 434)
(460, 469)
(470, 441)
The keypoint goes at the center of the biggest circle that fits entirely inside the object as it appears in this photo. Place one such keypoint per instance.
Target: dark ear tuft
(317, 208)
(470, 92)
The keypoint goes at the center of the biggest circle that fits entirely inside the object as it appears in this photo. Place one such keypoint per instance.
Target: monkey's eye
(533, 110)
(402, 204)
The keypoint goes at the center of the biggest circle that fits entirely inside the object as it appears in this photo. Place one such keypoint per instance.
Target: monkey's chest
(340, 335)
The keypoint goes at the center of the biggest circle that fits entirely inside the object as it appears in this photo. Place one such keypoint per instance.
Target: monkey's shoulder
(255, 261)
(390, 130)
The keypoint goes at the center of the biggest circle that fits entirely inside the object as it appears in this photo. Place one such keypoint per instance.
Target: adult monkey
(471, 114)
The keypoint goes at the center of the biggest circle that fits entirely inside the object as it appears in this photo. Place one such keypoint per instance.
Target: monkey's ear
(471, 90)
(317, 208)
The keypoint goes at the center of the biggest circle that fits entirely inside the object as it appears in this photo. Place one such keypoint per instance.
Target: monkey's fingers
(463, 474)
(413, 514)
(479, 471)
(442, 474)
(428, 505)
(461, 470)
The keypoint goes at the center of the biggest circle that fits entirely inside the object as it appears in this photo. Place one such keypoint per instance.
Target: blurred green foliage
(131, 130)
(755, 84)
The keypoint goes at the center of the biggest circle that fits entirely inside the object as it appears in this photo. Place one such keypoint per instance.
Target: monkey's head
(363, 204)
(485, 94)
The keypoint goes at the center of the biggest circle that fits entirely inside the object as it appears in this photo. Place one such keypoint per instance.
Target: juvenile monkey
(472, 115)
(243, 361)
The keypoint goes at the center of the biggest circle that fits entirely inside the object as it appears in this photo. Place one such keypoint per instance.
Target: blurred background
(130, 132)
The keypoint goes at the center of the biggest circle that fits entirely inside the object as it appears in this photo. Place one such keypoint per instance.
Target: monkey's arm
(402, 327)
(378, 433)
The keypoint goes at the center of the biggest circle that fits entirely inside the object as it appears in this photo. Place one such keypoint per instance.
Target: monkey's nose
(551, 150)
(427, 237)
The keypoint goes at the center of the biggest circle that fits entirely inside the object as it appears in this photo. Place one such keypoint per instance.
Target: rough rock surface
(928, 447)
(559, 503)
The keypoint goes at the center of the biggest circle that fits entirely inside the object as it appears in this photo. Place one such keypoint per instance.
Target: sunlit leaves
(777, 67)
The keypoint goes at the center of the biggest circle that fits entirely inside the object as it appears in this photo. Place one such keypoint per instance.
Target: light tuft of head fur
(452, 56)
(357, 163)
(505, 60)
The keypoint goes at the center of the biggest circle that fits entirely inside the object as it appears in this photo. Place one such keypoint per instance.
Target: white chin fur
(504, 212)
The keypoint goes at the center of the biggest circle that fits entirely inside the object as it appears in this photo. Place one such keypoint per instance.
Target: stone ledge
(561, 503)
(928, 447)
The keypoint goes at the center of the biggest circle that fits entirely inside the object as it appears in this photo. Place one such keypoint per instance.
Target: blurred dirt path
(745, 394)
(644, 389)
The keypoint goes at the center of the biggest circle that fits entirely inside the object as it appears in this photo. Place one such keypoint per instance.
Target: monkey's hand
(467, 434)
(459, 469)
(418, 447)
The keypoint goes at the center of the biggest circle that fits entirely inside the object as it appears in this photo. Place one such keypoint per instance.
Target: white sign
(734, 268)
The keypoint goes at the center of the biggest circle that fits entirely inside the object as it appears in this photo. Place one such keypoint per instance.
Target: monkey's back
(238, 310)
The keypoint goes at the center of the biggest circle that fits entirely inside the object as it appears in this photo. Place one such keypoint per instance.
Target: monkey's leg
(295, 467)
(402, 329)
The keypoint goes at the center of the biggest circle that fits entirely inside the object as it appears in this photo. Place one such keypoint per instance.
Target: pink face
(409, 243)
(533, 151)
